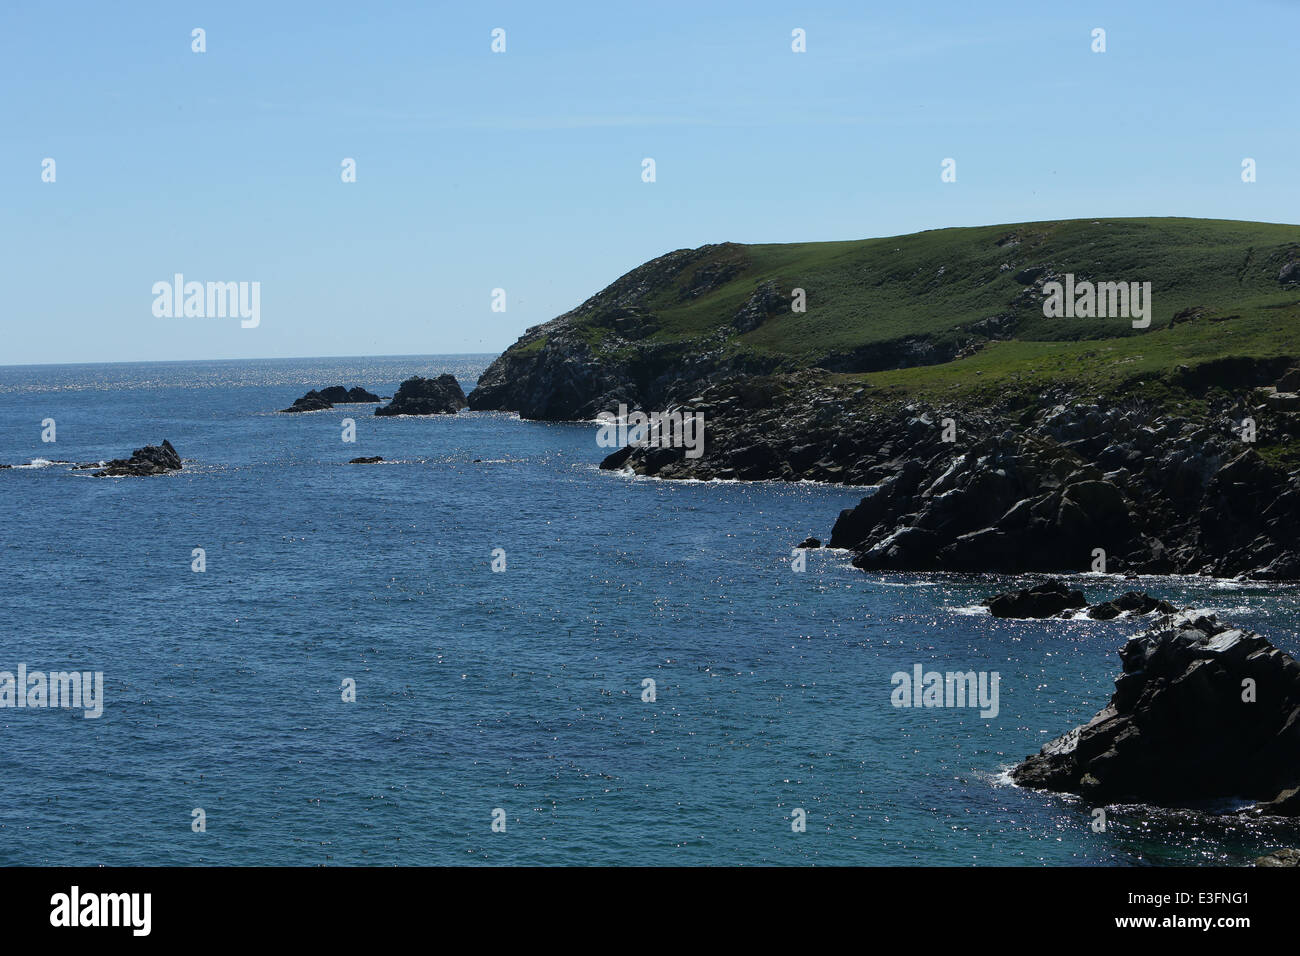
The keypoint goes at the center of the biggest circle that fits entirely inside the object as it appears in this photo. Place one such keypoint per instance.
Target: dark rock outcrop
(1054, 598)
(149, 460)
(1202, 711)
(1056, 487)
(356, 395)
(313, 401)
(1071, 486)
(426, 396)
(1134, 603)
(1043, 600)
(371, 460)
(809, 543)
(316, 401)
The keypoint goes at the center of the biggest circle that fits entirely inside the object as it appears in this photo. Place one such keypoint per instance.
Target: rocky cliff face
(1081, 484)
(1201, 711)
(1039, 488)
(601, 354)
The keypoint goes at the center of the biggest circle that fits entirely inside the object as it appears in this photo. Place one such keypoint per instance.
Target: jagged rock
(313, 401)
(809, 543)
(765, 301)
(1131, 602)
(149, 460)
(372, 460)
(426, 396)
(316, 401)
(356, 395)
(1201, 711)
(1042, 600)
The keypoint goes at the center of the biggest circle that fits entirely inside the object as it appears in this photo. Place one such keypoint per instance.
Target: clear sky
(522, 170)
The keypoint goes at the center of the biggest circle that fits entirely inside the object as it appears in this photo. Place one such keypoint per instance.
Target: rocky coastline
(1065, 482)
(997, 439)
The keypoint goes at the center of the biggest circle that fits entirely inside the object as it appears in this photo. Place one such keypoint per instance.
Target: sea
(485, 650)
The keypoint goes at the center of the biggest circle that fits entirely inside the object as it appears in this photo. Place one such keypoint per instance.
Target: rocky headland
(996, 439)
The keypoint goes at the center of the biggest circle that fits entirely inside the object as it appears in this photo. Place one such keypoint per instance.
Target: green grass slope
(949, 314)
(938, 284)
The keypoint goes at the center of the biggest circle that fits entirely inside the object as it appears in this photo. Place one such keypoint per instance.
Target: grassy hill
(937, 312)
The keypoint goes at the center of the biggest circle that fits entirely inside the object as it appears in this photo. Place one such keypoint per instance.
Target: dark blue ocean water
(518, 690)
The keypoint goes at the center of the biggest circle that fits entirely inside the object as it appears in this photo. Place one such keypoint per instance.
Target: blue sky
(522, 170)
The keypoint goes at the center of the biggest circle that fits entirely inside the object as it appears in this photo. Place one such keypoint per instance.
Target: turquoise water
(519, 690)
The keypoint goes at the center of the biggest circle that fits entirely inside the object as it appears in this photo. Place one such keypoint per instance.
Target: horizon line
(270, 358)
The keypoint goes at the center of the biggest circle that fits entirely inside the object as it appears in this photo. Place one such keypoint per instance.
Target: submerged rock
(426, 396)
(149, 460)
(1202, 711)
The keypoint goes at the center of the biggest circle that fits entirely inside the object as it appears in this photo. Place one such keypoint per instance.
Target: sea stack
(426, 396)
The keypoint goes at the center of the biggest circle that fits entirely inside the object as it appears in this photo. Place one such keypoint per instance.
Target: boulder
(1043, 600)
(809, 543)
(426, 396)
